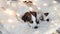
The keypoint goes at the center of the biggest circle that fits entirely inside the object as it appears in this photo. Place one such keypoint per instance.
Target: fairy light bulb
(34, 3)
(45, 4)
(9, 12)
(55, 24)
(54, 1)
(55, 8)
(38, 8)
(10, 21)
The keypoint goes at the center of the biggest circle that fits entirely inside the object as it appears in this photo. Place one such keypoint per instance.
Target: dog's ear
(26, 17)
(33, 13)
(46, 14)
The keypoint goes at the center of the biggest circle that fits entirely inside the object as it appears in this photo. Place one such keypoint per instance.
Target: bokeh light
(54, 1)
(45, 4)
(10, 21)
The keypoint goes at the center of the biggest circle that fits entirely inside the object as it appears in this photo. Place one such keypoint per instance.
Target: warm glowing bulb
(8, 2)
(45, 4)
(10, 20)
(55, 8)
(34, 3)
(54, 1)
(55, 24)
(38, 8)
(9, 12)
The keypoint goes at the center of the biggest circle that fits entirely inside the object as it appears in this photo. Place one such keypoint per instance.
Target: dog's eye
(31, 21)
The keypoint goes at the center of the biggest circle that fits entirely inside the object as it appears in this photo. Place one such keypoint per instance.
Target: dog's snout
(35, 27)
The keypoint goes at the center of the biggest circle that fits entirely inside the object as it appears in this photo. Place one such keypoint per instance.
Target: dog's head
(31, 19)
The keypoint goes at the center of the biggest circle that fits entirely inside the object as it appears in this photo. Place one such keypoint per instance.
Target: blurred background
(10, 8)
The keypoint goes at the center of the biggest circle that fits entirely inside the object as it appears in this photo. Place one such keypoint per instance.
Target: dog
(31, 18)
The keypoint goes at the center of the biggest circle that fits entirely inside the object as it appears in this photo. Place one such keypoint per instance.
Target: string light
(55, 24)
(8, 2)
(10, 21)
(39, 8)
(34, 3)
(45, 4)
(55, 8)
(9, 12)
(54, 2)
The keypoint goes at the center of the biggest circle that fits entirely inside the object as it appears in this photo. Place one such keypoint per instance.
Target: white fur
(34, 21)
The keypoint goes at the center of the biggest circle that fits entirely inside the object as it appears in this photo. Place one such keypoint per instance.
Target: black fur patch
(34, 13)
(46, 14)
(26, 17)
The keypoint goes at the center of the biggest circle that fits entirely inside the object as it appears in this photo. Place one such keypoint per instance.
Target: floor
(10, 25)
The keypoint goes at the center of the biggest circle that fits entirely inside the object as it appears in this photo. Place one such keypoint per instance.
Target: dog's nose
(37, 22)
(35, 27)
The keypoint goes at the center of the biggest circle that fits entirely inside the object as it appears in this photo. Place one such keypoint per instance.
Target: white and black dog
(32, 19)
